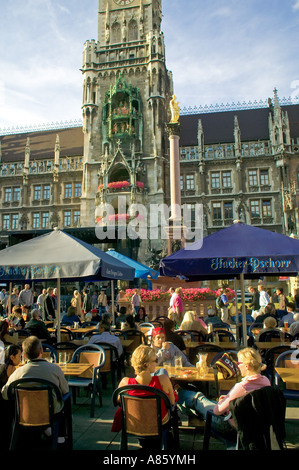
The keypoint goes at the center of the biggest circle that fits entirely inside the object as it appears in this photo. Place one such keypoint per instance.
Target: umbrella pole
(243, 311)
(58, 311)
(237, 312)
(112, 301)
(9, 299)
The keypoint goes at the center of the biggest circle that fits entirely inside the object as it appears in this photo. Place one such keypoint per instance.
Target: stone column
(175, 229)
(175, 185)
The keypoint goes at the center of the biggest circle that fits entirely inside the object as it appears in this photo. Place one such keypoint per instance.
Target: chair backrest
(161, 318)
(210, 349)
(141, 407)
(288, 359)
(111, 355)
(66, 347)
(194, 334)
(273, 353)
(266, 428)
(138, 338)
(221, 326)
(49, 352)
(92, 354)
(223, 336)
(90, 333)
(89, 323)
(34, 401)
(65, 335)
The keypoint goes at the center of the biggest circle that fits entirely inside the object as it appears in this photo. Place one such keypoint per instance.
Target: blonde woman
(191, 323)
(250, 365)
(144, 362)
(77, 303)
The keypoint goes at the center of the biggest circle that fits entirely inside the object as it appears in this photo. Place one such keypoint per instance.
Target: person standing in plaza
(135, 302)
(177, 307)
(26, 297)
(49, 306)
(86, 307)
(41, 301)
(102, 302)
(255, 301)
(264, 298)
(282, 302)
(222, 303)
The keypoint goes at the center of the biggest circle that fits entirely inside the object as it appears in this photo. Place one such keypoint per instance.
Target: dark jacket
(265, 430)
(39, 329)
(49, 307)
(255, 303)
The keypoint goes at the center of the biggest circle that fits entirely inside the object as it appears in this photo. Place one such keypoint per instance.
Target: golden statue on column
(175, 110)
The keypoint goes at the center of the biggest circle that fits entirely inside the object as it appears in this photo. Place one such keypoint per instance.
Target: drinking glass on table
(62, 358)
(178, 362)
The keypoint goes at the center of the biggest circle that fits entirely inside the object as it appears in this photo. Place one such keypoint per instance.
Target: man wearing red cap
(165, 350)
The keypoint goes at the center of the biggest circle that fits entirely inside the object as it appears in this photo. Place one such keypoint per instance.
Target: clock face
(123, 3)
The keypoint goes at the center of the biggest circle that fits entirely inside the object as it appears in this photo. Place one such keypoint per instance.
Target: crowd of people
(149, 361)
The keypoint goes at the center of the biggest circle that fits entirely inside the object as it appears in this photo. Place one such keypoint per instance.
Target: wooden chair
(142, 416)
(95, 356)
(49, 352)
(271, 356)
(34, 410)
(196, 336)
(210, 349)
(138, 338)
(113, 363)
(288, 359)
(67, 347)
(65, 335)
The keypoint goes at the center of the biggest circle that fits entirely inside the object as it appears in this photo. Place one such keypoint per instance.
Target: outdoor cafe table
(74, 368)
(83, 341)
(192, 375)
(226, 345)
(290, 376)
(271, 344)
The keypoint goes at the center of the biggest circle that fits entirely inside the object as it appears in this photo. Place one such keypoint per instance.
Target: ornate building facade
(240, 163)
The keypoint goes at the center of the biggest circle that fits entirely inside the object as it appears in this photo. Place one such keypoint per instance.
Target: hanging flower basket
(118, 185)
(117, 217)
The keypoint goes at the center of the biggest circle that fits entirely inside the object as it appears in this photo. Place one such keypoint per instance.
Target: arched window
(115, 33)
(133, 30)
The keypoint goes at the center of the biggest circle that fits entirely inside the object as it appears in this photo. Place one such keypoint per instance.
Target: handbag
(227, 366)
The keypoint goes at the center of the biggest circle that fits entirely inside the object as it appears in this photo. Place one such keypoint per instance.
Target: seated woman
(11, 360)
(191, 323)
(144, 362)
(250, 365)
(141, 316)
(166, 351)
(71, 316)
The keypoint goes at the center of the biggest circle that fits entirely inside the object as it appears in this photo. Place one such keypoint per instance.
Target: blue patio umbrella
(60, 256)
(240, 251)
(141, 271)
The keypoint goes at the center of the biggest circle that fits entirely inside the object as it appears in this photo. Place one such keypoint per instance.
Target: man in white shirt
(264, 298)
(26, 297)
(105, 336)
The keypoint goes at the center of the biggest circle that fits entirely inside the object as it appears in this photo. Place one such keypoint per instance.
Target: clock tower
(126, 93)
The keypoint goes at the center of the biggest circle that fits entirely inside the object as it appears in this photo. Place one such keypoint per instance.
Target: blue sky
(219, 51)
